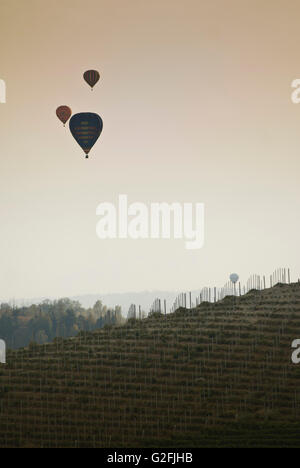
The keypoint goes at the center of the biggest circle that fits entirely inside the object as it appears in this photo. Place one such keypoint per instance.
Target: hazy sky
(196, 102)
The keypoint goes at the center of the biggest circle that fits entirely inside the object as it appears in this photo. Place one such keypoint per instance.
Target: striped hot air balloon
(91, 77)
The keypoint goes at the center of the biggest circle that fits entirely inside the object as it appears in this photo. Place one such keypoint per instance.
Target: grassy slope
(219, 375)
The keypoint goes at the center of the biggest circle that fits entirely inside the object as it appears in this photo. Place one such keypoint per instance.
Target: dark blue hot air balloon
(86, 128)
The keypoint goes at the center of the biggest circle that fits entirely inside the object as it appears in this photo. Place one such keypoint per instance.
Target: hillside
(217, 375)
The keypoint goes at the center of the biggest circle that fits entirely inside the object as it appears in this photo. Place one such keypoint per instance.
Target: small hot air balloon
(91, 77)
(63, 113)
(86, 128)
(234, 278)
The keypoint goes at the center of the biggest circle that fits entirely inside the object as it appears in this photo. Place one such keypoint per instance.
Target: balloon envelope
(86, 128)
(91, 77)
(63, 113)
(234, 278)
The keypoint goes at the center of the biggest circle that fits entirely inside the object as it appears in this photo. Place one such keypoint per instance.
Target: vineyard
(216, 375)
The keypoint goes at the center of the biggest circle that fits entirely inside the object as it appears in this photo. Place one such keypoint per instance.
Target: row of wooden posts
(214, 294)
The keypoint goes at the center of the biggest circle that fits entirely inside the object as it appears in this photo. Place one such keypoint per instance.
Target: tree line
(41, 323)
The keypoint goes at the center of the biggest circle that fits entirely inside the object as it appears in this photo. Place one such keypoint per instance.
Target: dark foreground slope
(219, 375)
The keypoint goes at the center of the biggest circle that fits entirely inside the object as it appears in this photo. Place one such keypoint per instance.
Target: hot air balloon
(86, 128)
(234, 278)
(63, 113)
(91, 77)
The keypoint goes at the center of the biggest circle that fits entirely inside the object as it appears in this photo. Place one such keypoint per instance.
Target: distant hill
(219, 375)
(142, 298)
(43, 322)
